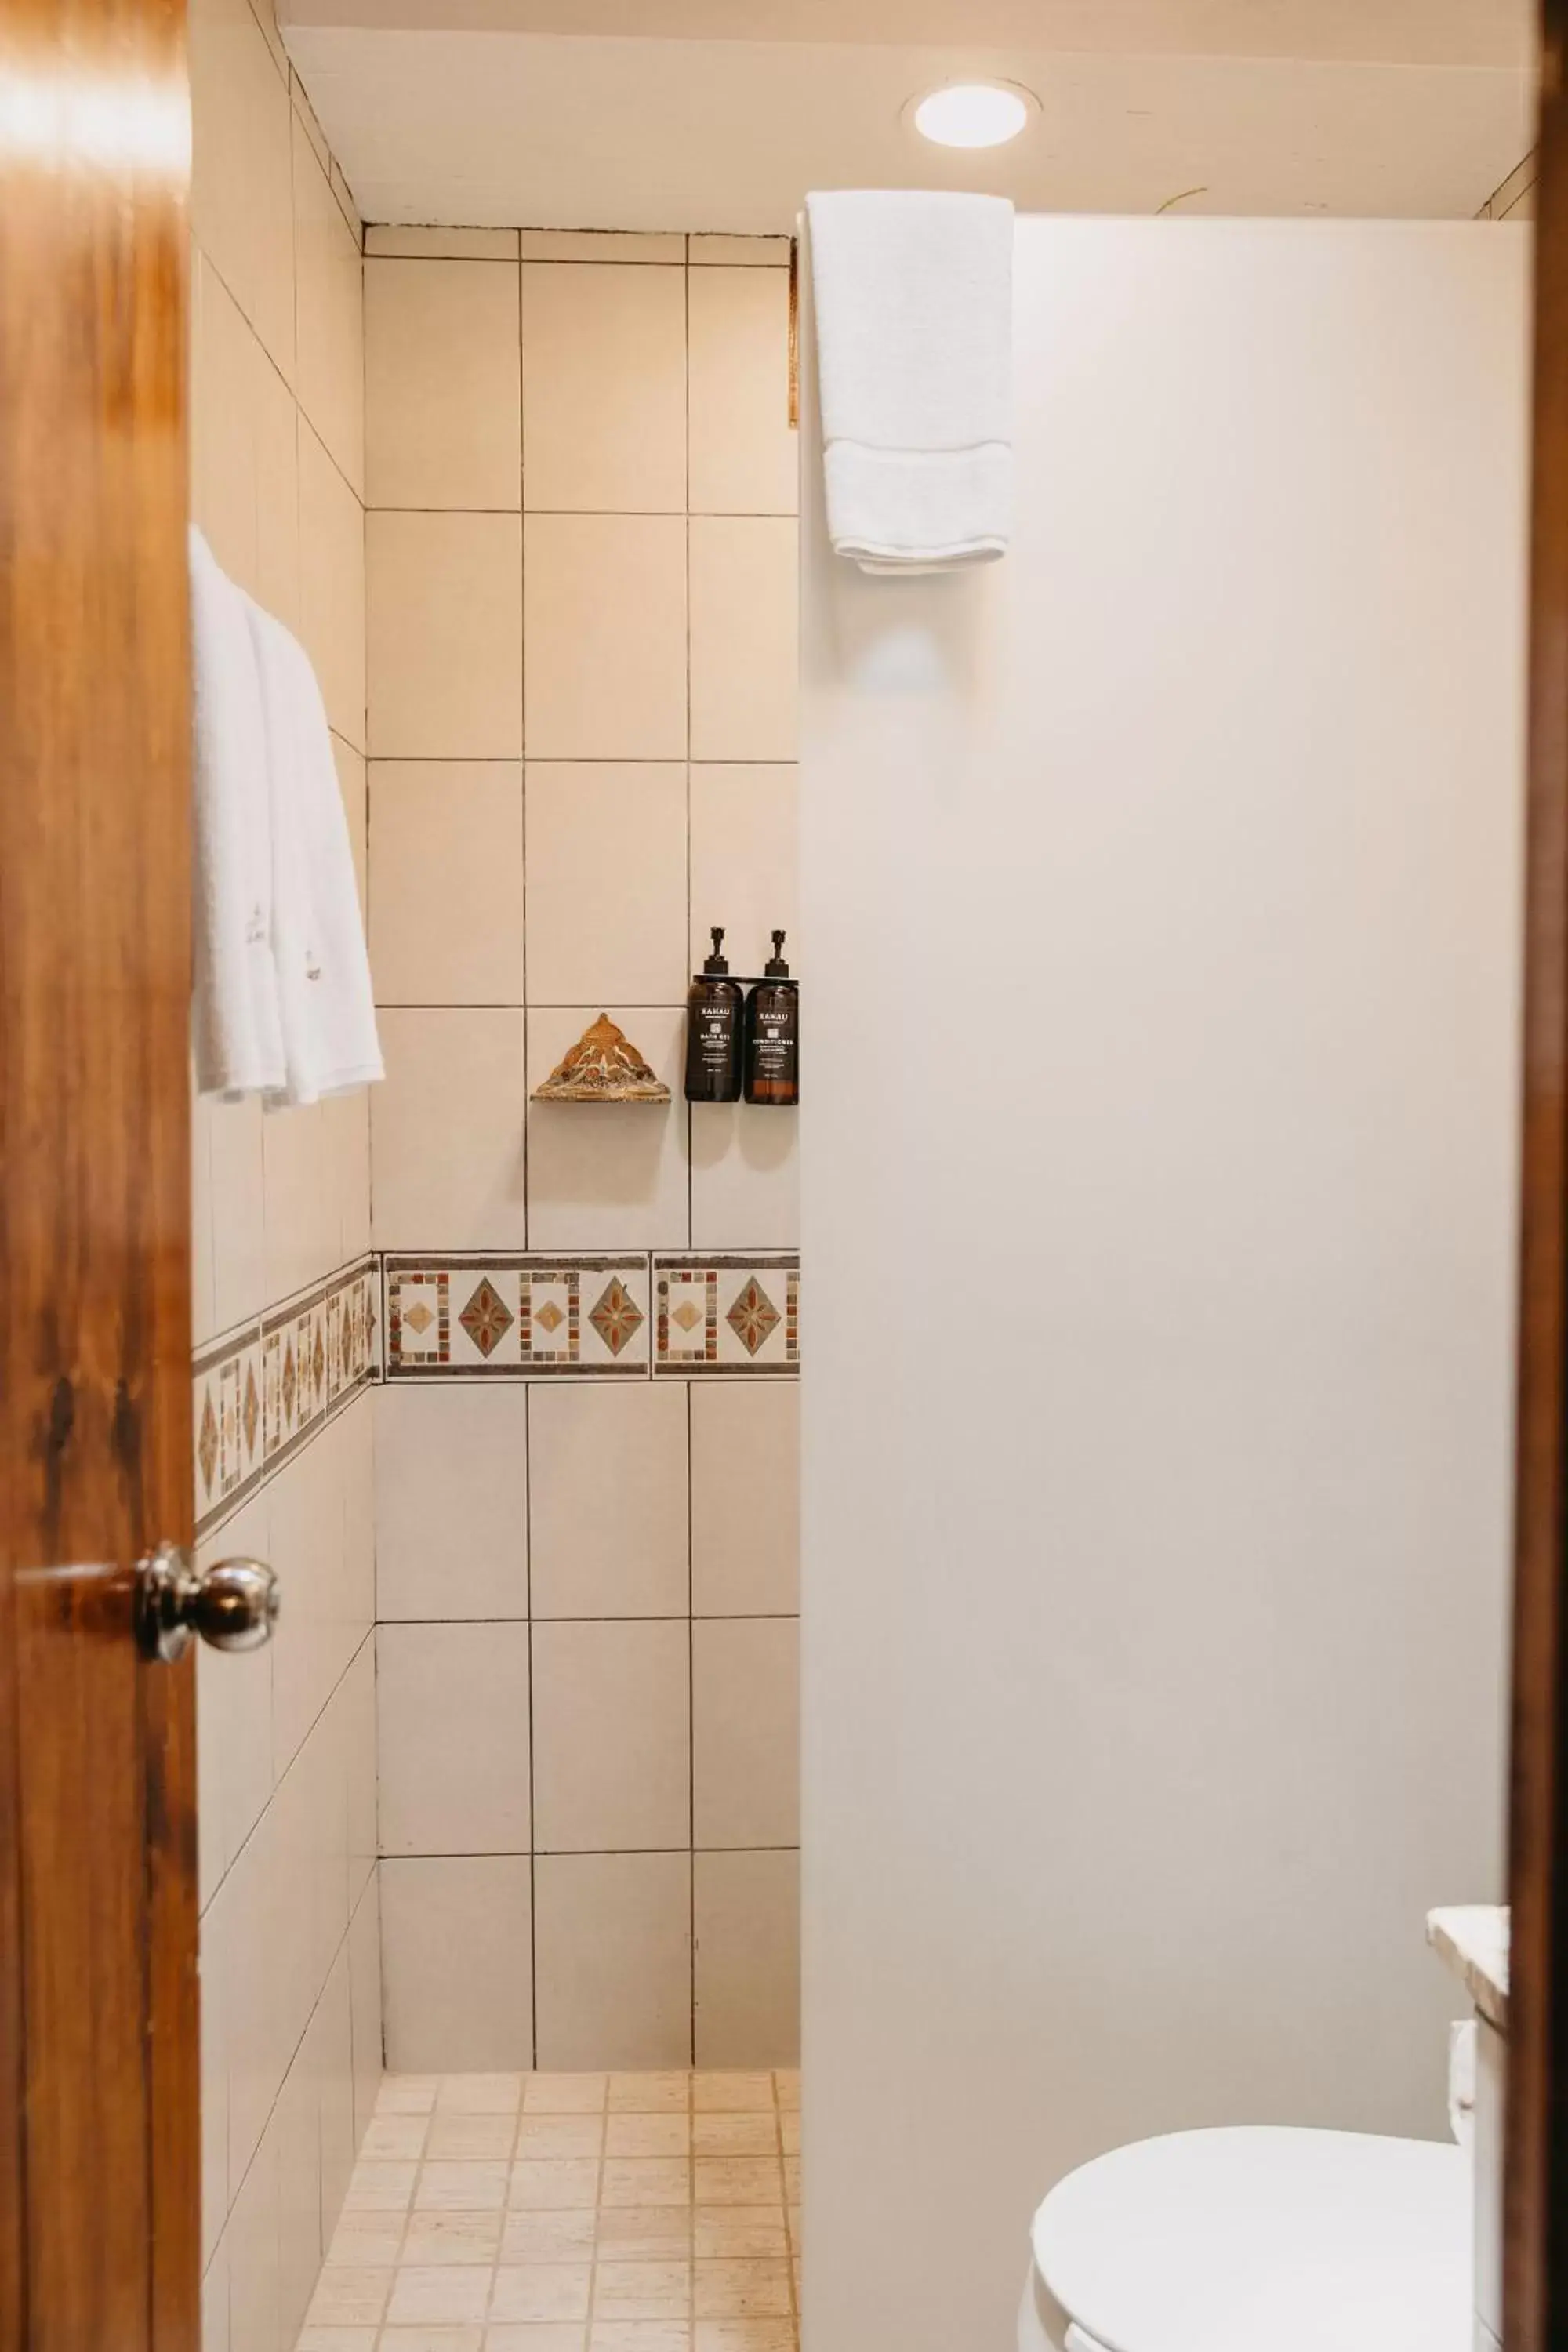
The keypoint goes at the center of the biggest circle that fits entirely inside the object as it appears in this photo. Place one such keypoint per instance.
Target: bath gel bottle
(772, 1034)
(713, 1043)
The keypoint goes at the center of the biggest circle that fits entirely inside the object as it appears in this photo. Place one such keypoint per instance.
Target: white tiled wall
(580, 551)
(292, 2036)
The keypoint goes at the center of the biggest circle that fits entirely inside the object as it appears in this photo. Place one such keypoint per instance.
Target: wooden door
(98, 2133)
(1535, 2299)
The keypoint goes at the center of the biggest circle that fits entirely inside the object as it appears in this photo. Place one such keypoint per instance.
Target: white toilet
(1257, 2240)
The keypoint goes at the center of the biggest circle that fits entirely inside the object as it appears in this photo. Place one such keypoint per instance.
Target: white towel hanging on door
(913, 300)
(326, 1004)
(237, 1029)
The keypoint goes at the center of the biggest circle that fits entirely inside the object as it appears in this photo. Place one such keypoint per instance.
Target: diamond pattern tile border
(258, 1394)
(731, 1316)
(518, 1317)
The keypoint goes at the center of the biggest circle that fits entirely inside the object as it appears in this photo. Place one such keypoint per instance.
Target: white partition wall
(1159, 951)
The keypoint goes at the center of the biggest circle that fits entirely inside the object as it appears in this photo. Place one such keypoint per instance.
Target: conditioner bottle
(773, 1034)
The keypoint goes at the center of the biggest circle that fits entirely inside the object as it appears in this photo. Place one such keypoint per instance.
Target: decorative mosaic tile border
(524, 1316)
(484, 1315)
(261, 1392)
(730, 1315)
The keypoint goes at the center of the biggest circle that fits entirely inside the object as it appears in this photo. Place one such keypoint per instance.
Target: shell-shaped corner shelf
(604, 1066)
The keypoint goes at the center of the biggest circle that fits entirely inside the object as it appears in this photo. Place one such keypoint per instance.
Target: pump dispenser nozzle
(776, 967)
(718, 961)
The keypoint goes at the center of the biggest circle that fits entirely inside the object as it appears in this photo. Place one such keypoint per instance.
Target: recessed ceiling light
(975, 114)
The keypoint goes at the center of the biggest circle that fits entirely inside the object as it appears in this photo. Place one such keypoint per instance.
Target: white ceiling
(1406, 108)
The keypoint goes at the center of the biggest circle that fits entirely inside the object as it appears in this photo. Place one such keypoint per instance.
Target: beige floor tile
(565, 2094)
(645, 2180)
(743, 2335)
(740, 2233)
(465, 2138)
(538, 2291)
(789, 2131)
(337, 2339)
(444, 2292)
(645, 2233)
(640, 2336)
(650, 2094)
(380, 2188)
(396, 2135)
(479, 2095)
(352, 2296)
(642, 2291)
(738, 2180)
(553, 2236)
(430, 2339)
(547, 2134)
(473, 2188)
(786, 2082)
(732, 2290)
(366, 2238)
(747, 2093)
(553, 2180)
(536, 2336)
(407, 2095)
(735, 2134)
(668, 2135)
(452, 2237)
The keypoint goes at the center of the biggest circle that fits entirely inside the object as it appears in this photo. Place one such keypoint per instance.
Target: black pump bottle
(713, 1039)
(773, 1034)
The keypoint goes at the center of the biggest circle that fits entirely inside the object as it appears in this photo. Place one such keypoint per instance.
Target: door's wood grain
(1536, 2198)
(99, 2187)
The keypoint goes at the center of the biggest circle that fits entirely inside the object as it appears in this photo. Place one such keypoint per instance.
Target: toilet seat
(1262, 2240)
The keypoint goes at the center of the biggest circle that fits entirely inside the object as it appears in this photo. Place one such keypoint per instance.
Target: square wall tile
(746, 1731)
(244, 469)
(457, 1964)
(332, 586)
(612, 1950)
(234, 1134)
(606, 884)
(234, 1708)
(604, 637)
(604, 1175)
(446, 917)
(331, 314)
(241, 168)
(444, 624)
(745, 661)
(746, 1498)
(603, 388)
(452, 1738)
(611, 1737)
(444, 244)
(745, 1176)
(451, 1502)
(354, 785)
(364, 2001)
(745, 860)
(707, 250)
(607, 1503)
(446, 1132)
(205, 1324)
(747, 1908)
(745, 457)
(303, 1204)
(602, 244)
(442, 416)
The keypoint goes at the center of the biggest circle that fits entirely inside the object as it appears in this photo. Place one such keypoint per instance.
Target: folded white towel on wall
(238, 1031)
(326, 1004)
(913, 299)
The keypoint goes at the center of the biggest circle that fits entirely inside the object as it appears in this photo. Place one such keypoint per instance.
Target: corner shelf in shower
(603, 1067)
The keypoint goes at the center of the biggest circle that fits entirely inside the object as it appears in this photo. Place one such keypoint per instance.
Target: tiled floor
(570, 2213)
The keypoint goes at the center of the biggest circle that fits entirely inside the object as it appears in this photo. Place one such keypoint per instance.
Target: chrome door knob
(233, 1604)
